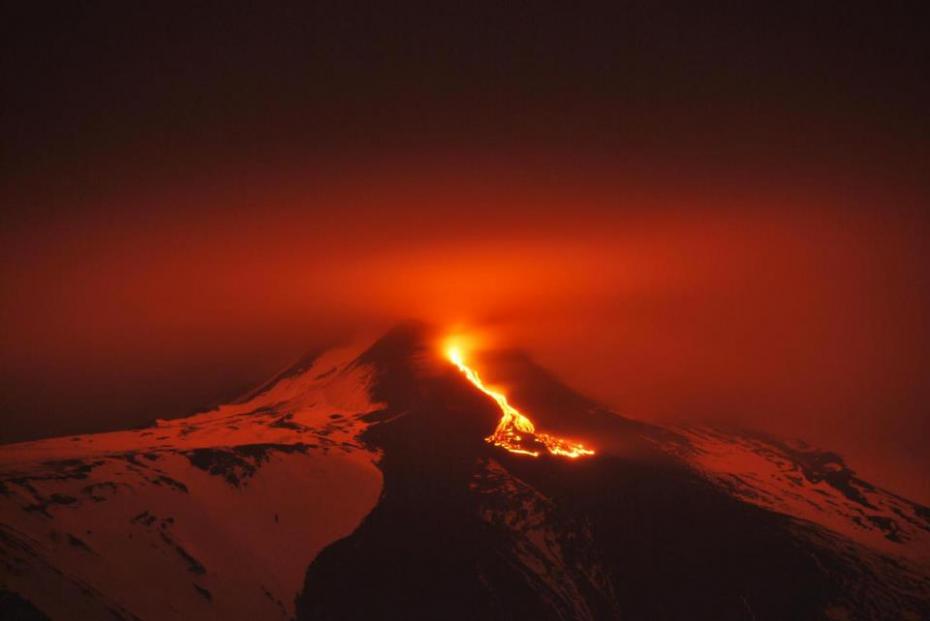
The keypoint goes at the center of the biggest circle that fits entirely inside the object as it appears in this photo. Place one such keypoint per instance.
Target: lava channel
(515, 432)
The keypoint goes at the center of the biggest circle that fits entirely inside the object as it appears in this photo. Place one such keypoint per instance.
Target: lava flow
(515, 432)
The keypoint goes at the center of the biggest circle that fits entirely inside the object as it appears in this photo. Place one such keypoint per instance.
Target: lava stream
(515, 431)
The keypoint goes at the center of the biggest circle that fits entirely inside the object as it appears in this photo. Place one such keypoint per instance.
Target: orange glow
(515, 432)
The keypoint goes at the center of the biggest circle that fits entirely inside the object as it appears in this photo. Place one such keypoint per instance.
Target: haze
(718, 224)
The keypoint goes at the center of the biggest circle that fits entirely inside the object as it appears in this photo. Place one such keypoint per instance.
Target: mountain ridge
(365, 470)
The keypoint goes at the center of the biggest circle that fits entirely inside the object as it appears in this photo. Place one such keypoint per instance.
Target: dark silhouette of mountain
(358, 485)
(464, 530)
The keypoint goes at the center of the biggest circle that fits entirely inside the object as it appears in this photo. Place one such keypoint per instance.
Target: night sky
(691, 212)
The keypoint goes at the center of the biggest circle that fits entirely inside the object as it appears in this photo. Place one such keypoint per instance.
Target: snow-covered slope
(212, 516)
(798, 480)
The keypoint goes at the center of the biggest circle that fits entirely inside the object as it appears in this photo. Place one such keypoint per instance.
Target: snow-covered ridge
(215, 515)
(803, 482)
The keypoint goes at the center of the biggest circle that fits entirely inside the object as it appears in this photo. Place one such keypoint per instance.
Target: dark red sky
(691, 213)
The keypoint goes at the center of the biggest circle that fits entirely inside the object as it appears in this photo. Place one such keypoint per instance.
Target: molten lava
(515, 432)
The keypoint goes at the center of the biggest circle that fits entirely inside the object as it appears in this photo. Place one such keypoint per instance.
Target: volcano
(359, 484)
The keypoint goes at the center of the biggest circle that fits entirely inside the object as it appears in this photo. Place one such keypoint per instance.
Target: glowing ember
(515, 432)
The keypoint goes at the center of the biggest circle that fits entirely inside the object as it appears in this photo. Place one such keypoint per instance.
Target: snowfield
(216, 515)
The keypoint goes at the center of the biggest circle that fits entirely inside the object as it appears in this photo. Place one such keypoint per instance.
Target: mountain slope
(217, 514)
(358, 485)
(640, 531)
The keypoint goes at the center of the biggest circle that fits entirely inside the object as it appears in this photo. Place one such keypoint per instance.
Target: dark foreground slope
(464, 530)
